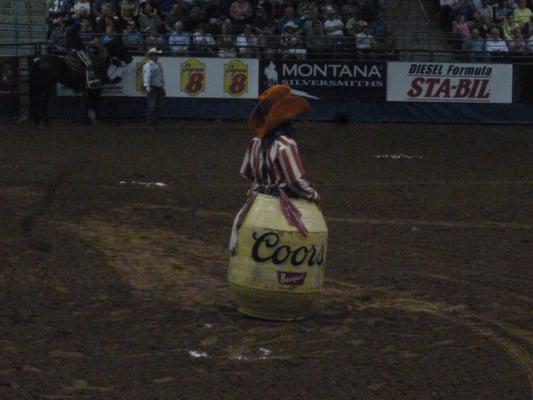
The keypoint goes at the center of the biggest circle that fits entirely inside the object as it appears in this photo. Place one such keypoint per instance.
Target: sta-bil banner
(449, 83)
(191, 77)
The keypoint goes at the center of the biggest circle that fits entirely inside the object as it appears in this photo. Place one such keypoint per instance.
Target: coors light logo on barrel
(269, 248)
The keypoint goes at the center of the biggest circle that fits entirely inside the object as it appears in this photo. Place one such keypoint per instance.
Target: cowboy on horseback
(80, 41)
(88, 58)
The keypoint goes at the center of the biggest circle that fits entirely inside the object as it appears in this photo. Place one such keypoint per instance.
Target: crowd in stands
(244, 28)
(490, 28)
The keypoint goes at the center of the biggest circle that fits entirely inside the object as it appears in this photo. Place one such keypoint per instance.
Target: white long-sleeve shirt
(496, 45)
(153, 74)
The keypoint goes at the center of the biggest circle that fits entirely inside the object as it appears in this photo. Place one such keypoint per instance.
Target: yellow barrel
(276, 271)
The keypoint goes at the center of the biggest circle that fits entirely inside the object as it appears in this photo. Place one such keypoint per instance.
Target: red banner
(9, 74)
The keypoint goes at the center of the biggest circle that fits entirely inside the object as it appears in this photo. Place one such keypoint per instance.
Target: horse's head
(118, 52)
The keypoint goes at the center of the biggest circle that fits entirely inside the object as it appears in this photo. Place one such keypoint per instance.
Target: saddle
(79, 62)
(74, 63)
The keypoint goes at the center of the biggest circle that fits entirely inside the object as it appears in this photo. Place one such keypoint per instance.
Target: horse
(48, 71)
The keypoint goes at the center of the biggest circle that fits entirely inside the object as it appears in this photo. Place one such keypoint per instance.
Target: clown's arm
(293, 172)
(246, 168)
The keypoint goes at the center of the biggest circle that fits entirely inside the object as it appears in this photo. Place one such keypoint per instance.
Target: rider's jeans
(154, 105)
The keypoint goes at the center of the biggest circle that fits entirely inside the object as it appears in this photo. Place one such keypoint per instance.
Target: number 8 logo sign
(235, 78)
(193, 77)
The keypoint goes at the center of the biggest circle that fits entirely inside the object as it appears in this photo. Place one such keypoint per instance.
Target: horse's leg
(91, 106)
(47, 93)
(82, 112)
(36, 105)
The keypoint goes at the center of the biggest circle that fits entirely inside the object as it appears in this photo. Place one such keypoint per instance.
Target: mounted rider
(80, 40)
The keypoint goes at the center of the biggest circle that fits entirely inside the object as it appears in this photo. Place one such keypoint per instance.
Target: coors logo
(267, 247)
(291, 278)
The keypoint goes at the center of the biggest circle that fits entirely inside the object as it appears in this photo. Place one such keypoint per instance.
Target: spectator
(312, 20)
(241, 12)
(57, 37)
(149, 20)
(247, 42)
(522, 14)
(165, 6)
(529, 44)
(508, 27)
(502, 11)
(518, 43)
(86, 33)
(484, 27)
(464, 8)
(349, 9)
(178, 40)
(178, 14)
(327, 5)
(130, 9)
(291, 42)
(353, 22)
(333, 26)
(131, 37)
(494, 43)
(102, 22)
(203, 42)
(370, 9)
(461, 29)
(260, 21)
(364, 41)
(82, 5)
(379, 29)
(156, 39)
(305, 8)
(316, 40)
(102, 7)
(197, 18)
(108, 36)
(268, 41)
(484, 10)
(226, 43)
(475, 46)
(289, 16)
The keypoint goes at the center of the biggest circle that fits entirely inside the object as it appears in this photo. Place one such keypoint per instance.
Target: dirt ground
(116, 290)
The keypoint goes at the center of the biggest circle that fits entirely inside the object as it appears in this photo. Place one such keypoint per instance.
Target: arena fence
(365, 89)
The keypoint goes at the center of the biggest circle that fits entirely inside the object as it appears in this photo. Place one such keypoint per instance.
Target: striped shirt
(278, 166)
(153, 74)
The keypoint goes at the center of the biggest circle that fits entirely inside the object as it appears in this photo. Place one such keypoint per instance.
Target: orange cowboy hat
(276, 106)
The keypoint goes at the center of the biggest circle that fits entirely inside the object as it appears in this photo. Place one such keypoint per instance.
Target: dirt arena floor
(115, 290)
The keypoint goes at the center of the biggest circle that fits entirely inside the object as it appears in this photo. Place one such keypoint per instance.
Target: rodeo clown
(272, 161)
(278, 241)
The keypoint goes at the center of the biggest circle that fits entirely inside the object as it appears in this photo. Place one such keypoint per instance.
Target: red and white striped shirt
(276, 166)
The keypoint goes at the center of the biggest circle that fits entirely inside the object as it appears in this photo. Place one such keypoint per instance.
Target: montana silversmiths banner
(323, 80)
(449, 83)
(188, 77)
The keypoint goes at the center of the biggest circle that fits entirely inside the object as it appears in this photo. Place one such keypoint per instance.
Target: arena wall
(339, 91)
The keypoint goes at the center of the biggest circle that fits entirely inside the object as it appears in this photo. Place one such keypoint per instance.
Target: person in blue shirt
(475, 46)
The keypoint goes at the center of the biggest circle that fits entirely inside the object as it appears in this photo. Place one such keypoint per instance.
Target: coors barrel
(277, 272)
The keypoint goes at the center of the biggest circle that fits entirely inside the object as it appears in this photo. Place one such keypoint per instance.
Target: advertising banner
(449, 83)
(188, 77)
(330, 81)
(9, 74)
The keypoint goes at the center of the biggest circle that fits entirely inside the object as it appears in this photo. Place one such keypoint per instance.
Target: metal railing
(446, 48)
